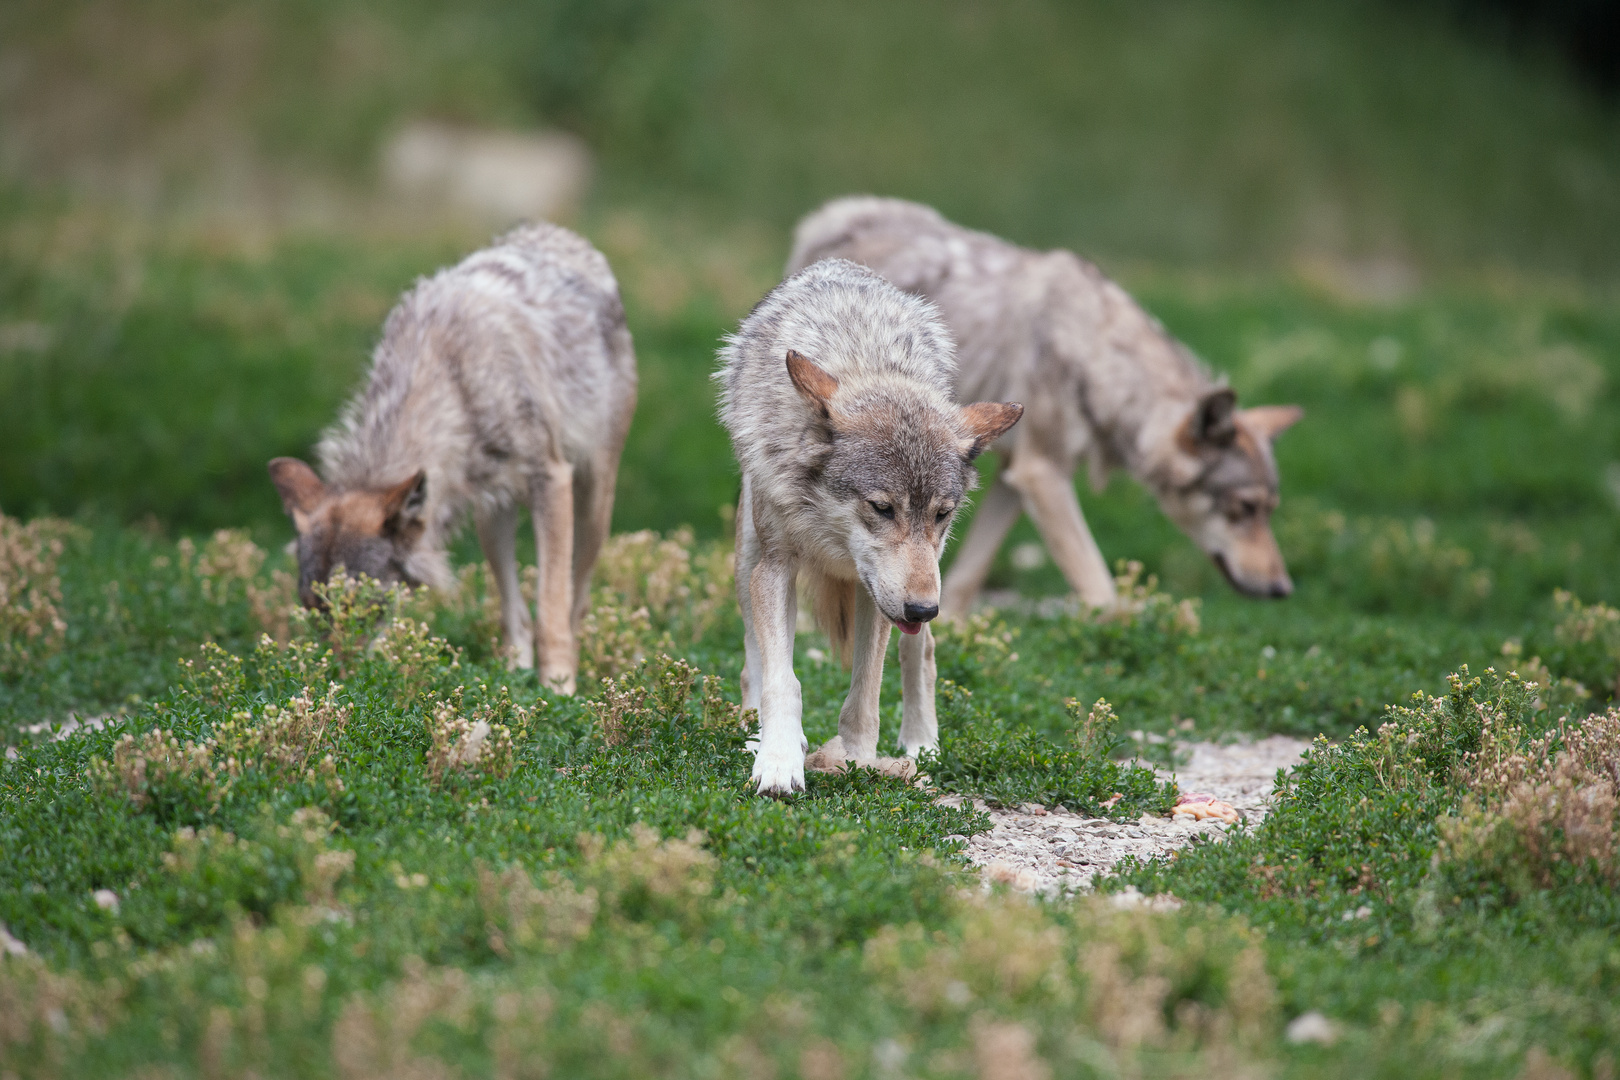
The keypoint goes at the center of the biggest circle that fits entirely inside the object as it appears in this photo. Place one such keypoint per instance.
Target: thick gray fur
(510, 379)
(852, 485)
(1102, 381)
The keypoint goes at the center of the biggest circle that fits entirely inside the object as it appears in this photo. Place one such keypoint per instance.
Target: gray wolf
(836, 390)
(1103, 382)
(507, 380)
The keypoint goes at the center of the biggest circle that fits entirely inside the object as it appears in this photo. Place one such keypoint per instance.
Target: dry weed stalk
(652, 591)
(1594, 626)
(670, 577)
(1578, 622)
(417, 655)
(1096, 733)
(659, 687)
(720, 713)
(286, 738)
(282, 742)
(146, 765)
(1005, 1050)
(1142, 601)
(37, 1004)
(645, 873)
(31, 623)
(1540, 805)
(220, 677)
(475, 745)
(520, 915)
(621, 712)
(372, 1037)
(981, 635)
(613, 640)
(1112, 973)
(230, 558)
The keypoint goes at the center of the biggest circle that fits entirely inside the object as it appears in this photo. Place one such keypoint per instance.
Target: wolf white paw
(779, 770)
(916, 749)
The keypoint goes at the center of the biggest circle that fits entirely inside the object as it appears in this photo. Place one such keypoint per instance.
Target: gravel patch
(1049, 851)
(59, 730)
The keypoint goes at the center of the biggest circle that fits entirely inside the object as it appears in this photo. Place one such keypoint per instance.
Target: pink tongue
(908, 627)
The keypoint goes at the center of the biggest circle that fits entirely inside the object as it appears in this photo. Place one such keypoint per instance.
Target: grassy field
(327, 853)
(317, 892)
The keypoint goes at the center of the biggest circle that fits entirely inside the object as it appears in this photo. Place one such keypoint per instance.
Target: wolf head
(1222, 488)
(371, 532)
(893, 461)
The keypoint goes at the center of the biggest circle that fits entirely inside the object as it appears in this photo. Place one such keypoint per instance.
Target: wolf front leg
(919, 727)
(860, 717)
(1049, 497)
(748, 554)
(779, 760)
(998, 510)
(497, 535)
(553, 512)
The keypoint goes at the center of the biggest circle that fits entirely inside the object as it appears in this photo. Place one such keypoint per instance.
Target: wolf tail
(832, 600)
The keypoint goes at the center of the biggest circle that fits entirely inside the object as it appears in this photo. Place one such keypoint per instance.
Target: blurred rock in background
(499, 176)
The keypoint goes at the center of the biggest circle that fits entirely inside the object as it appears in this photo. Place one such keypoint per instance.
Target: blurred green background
(1404, 217)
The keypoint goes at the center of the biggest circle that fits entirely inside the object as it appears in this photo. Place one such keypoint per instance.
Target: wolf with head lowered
(836, 390)
(506, 381)
(1103, 381)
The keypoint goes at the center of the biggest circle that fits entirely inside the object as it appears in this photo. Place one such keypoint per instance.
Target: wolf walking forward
(505, 381)
(1104, 383)
(837, 394)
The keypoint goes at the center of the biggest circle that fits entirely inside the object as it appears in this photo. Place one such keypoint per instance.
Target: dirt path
(1044, 851)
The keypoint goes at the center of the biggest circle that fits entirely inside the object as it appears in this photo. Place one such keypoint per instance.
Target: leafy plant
(980, 755)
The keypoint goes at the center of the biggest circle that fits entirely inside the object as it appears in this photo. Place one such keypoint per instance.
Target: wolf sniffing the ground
(505, 381)
(837, 392)
(1103, 381)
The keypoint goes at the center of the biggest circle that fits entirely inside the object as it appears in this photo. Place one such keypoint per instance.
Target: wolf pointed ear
(402, 507)
(1212, 422)
(814, 384)
(300, 488)
(985, 422)
(1270, 421)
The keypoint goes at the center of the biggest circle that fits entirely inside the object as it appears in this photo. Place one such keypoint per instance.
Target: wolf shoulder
(538, 310)
(849, 319)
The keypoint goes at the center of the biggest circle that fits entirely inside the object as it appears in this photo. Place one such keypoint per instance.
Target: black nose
(1280, 589)
(920, 612)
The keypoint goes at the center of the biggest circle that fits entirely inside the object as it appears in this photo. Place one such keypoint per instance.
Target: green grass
(394, 927)
(840, 910)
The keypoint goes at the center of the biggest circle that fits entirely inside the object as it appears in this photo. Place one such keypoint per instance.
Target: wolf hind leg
(860, 718)
(997, 512)
(497, 535)
(1049, 497)
(919, 727)
(593, 517)
(552, 507)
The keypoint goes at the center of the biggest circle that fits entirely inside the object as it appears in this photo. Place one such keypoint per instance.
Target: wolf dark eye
(945, 513)
(883, 509)
(1244, 508)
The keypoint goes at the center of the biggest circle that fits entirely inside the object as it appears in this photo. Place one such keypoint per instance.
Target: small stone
(106, 900)
(1312, 1027)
